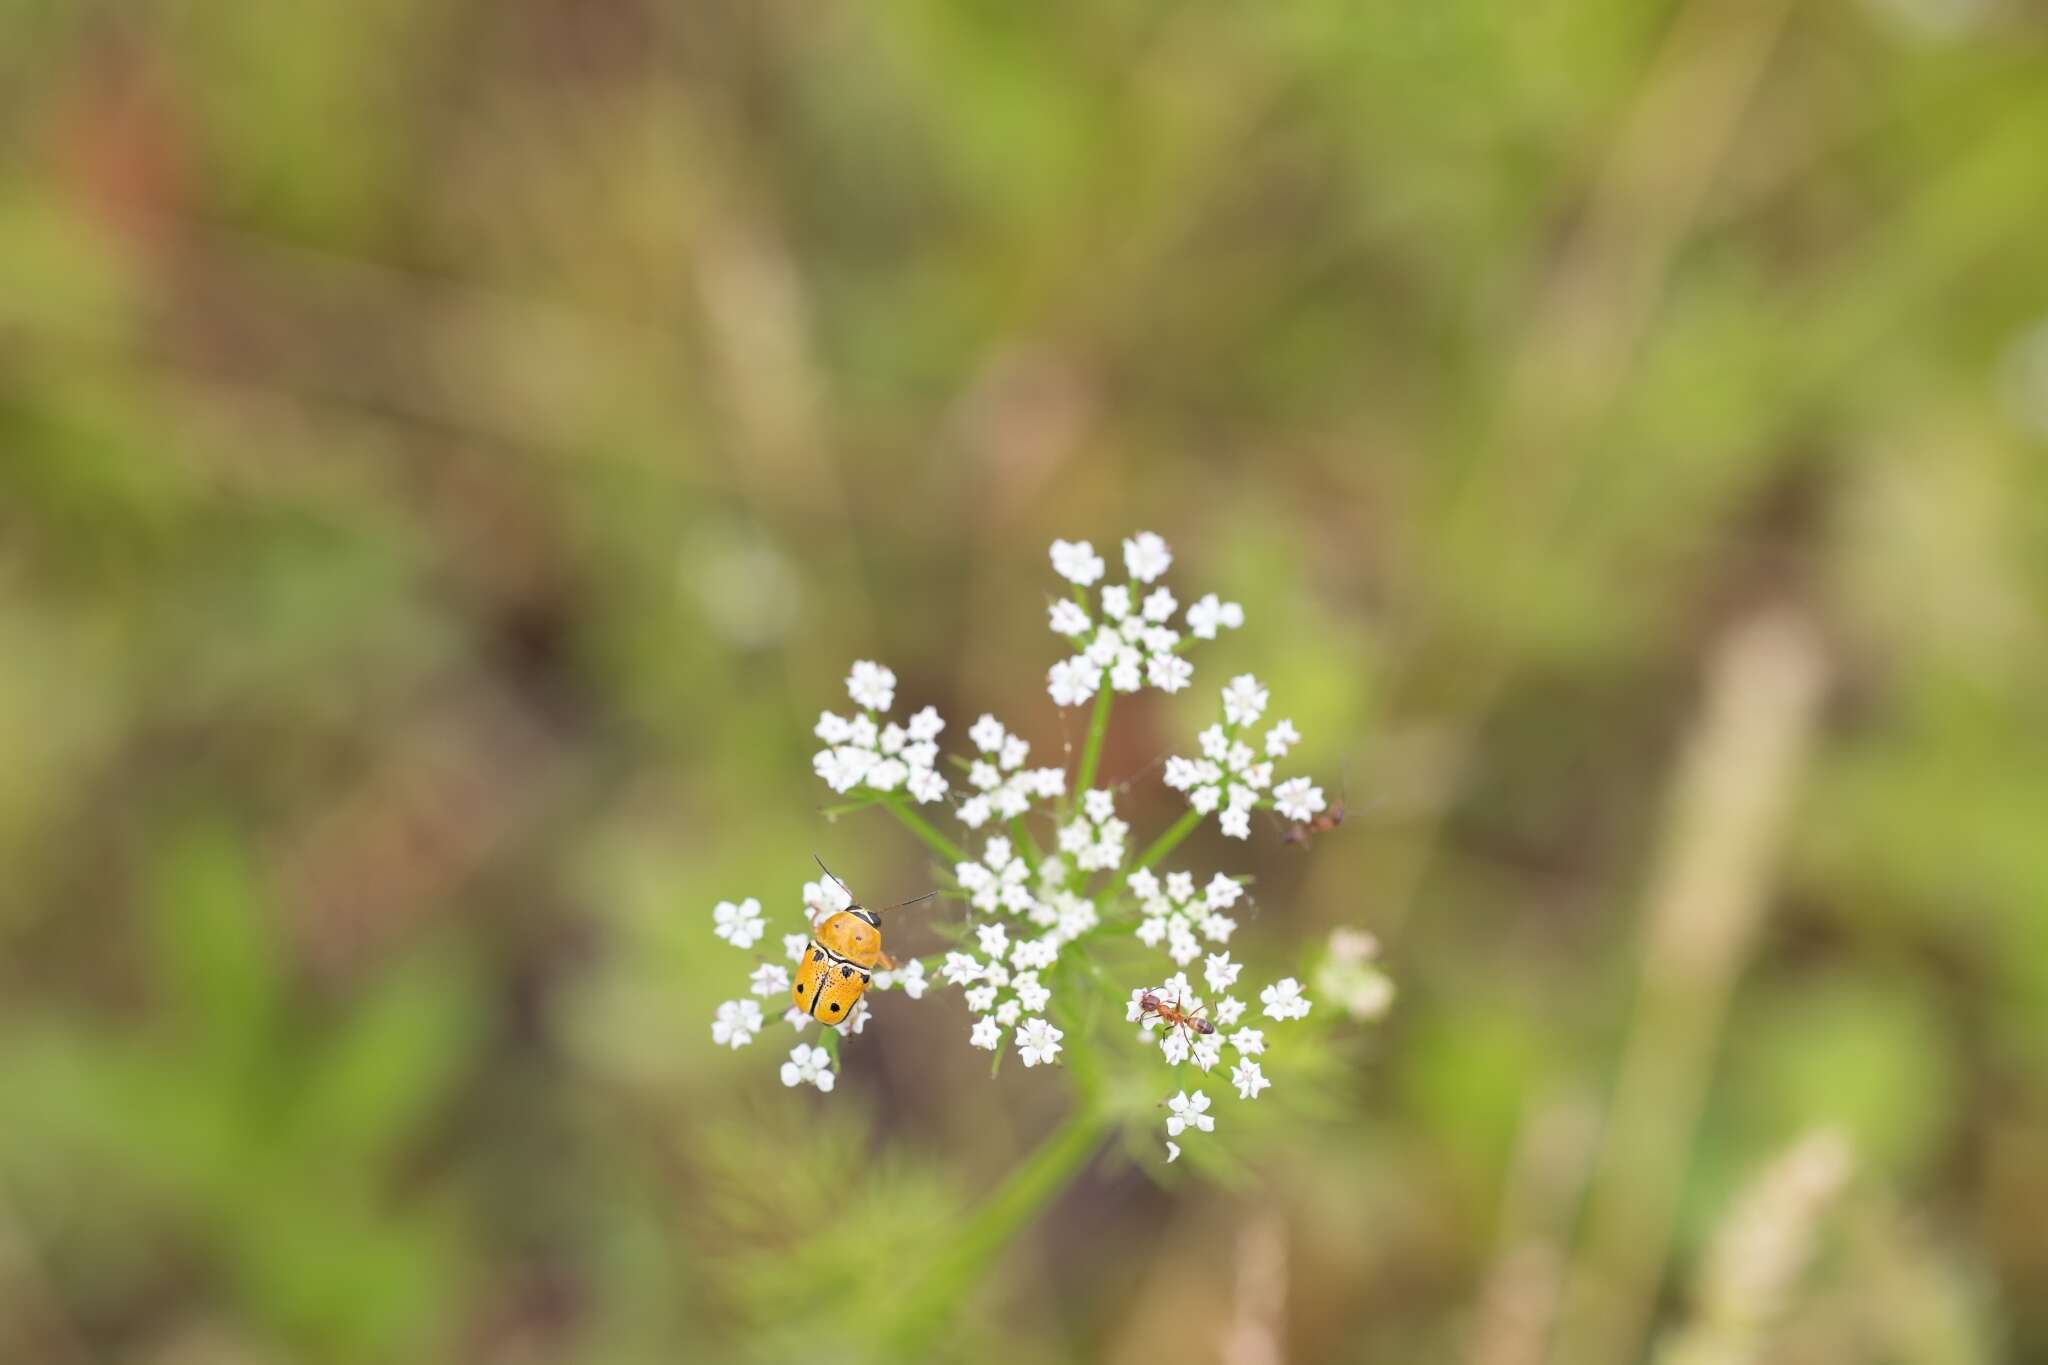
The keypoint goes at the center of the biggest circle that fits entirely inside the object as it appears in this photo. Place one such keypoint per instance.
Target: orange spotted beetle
(841, 958)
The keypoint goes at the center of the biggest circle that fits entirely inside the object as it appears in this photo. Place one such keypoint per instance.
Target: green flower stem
(1163, 845)
(1091, 753)
(922, 828)
(1026, 845)
(957, 1267)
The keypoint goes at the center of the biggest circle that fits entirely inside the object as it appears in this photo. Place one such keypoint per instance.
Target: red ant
(1150, 1005)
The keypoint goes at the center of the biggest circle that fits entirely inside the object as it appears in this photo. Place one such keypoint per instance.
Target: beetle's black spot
(835, 1007)
(817, 954)
(845, 973)
(799, 988)
(865, 978)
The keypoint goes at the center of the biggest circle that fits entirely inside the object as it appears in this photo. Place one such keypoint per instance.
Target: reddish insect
(1152, 1005)
(1306, 830)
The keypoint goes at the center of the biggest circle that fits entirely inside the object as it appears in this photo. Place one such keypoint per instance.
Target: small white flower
(871, 685)
(987, 1034)
(888, 775)
(1282, 737)
(1172, 1152)
(1248, 1079)
(1297, 799)
(1070, 682)
(980, 999)
(1144, 885)
(796, 1019)
(1007, 1012)
(808, 1065)
(1067, 618)
(1033, 995)
(961, 968)
(737, 1023)
(1034, 954)
(1218, 928)
(770, 980)
(1284, 1000)
(1169, 672)
(740, 925)
(1159, 607)
(910, 977)
(1236, 822)
(1244, 700)
(1174, 1047)
(843, 768)
(1038, 1041)
(1076, 561)
(1146, 556)
(926, 724)
(1189, 1111)
(1220, 973)
(1116, 602)
(987, 734)
(833, 729)
(1353, 946)
(974, 812)
(1127, 674)
(857, 1022)
(927, 786)
(824, 896)
(1249, 1041)
(1014, 752)
(793, 946)
(1227, 1011)
(994, 939)
(1206, 615)
(1206, 1051)
(1222, 892)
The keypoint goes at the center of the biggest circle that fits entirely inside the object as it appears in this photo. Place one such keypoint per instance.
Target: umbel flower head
(1057, 900)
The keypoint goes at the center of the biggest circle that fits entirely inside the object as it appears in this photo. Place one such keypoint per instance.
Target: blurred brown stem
(1706, 899)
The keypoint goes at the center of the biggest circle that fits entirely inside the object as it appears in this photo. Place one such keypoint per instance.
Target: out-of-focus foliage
(449, 453)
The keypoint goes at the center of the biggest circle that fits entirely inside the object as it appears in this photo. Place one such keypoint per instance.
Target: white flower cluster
(1095, 838)
(1025, 922)
(736, 1023)
(1004, 788)
(1027, 896)
(1178, 1017)
(1130, 641)
(1349, 976)
(1173, 914)
(1231, 774)
(882, 756)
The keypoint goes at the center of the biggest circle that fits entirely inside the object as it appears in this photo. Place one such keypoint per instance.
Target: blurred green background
(450, 452)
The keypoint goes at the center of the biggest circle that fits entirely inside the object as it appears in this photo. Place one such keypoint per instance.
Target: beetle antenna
(912, 901)
(835, 877)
